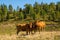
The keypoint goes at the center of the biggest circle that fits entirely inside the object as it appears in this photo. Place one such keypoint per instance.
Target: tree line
(43, 11)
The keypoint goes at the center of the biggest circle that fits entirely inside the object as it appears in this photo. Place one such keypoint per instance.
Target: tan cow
(40, 25)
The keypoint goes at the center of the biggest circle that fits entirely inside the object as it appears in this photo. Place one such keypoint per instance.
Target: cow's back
(40, 23)
(21, 27)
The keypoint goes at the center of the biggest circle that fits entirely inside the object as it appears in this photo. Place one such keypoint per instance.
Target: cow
(22, 27)
(31, 27)
(39, 25)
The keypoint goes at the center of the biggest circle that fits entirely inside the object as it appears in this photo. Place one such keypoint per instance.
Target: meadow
(8, 32)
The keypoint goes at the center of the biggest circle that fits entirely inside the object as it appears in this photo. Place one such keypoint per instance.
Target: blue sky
(21, 3)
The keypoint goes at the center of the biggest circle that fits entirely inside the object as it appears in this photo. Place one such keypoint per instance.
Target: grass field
(42, 36)
(8, 32)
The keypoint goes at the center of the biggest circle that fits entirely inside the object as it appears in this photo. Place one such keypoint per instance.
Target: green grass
(7, 29)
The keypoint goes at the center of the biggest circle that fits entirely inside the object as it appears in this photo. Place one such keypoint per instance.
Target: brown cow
(31, 28)
(22, 27)
(39, 25)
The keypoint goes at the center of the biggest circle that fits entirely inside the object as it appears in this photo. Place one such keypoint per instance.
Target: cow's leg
(27, 31)
(34, 30)
(31, 31)
(39, 30)
(43, 28)
(17, 32)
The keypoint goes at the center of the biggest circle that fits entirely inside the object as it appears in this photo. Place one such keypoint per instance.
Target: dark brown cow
(31, 28)
(22, 27)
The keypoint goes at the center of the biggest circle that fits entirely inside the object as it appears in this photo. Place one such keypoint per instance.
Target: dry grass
(42, 36)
